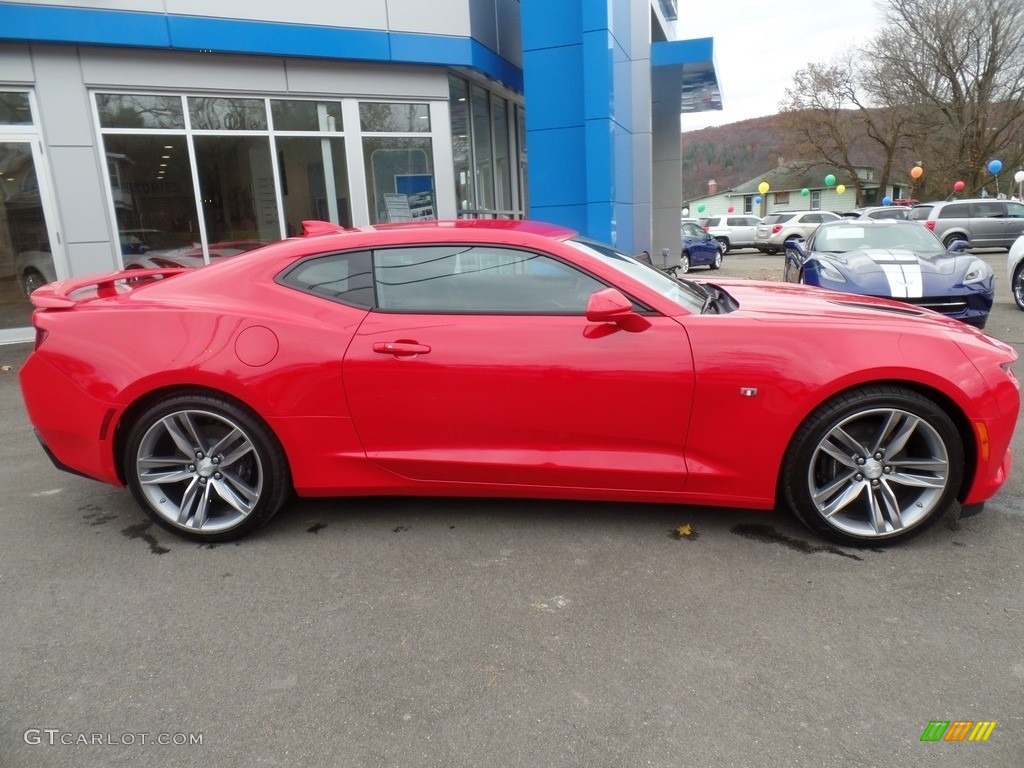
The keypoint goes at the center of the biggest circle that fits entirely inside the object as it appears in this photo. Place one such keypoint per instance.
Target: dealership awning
(683, 76)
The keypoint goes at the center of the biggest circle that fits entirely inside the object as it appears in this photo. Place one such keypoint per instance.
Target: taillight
(930, 224)
(41, 335)
(776, 229)
(707, 229)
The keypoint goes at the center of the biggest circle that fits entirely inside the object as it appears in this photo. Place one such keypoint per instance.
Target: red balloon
(958, 186)
(730, 209)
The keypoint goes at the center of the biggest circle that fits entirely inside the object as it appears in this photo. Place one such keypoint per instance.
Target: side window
(478, 279)
(1015, 210)
(343, 277)
(954, 211)
(986, 210)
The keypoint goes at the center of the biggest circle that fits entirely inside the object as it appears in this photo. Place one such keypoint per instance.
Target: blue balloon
(757, 200)
(886, 200)
(995, 166)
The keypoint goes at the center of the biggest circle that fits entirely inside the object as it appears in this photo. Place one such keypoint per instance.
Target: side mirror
(610, 306)
(958, 245)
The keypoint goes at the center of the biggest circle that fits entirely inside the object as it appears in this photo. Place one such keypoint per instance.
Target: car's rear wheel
(205, 467)
(1018, 286)
(876, 464)
(684, 262)
(950, 239)
(724, 243)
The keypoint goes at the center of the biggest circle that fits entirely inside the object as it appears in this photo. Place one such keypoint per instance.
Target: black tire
(717, 263)
(950, 239)
(224, 473)
(30, 280)
(684, 262)
(877, 464)
(1017, 286)
(725, 244)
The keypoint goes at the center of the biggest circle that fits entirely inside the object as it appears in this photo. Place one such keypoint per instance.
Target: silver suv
(984, 223)
(732, 231)
(776, 228)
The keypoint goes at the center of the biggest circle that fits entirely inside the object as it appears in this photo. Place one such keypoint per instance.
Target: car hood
(884, 259)
(801, 303)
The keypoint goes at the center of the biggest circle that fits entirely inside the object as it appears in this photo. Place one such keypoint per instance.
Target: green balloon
(805, 192)
(830, 180)
(700, 208)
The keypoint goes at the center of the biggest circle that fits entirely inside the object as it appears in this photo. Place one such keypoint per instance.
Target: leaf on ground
(684, 532)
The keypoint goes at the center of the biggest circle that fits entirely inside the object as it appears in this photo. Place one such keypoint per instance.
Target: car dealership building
(188, 129)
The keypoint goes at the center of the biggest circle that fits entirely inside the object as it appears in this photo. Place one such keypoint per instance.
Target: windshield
(683, 292)
(843, 239)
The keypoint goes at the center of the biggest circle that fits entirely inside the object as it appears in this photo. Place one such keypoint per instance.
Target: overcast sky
(759, 46)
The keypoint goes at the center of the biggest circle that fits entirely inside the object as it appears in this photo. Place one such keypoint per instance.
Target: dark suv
(984, 223)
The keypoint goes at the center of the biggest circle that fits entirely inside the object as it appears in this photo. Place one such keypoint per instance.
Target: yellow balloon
(840, 189)
(762, 187)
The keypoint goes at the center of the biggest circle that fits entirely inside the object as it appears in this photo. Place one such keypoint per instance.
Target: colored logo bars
(958, 730)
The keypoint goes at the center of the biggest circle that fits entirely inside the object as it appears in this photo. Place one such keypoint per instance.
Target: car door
(1014, 224)
(479, 366)
(742, 230)
(702, 247)
(987, 223)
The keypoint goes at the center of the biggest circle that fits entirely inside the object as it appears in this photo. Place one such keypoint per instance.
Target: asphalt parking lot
(414, 632)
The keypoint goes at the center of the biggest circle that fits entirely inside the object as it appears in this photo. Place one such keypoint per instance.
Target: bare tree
(958, 67)
(841, 109)
(942, 84)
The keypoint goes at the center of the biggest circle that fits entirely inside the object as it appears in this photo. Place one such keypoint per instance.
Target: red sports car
(509, 358)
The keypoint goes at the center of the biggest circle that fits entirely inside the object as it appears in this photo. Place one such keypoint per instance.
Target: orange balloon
(916, 171)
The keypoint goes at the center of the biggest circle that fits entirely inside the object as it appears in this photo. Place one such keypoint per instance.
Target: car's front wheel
(717, 262)
(205, 467)
(684, 262)
(1018, 286)
(876, 464)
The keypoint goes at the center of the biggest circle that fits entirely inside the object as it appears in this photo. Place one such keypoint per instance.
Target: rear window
(711, 222)
(777, 218)
(919, 212)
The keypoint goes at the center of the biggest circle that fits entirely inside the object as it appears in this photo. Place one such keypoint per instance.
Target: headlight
(830, 273)
(978, 272)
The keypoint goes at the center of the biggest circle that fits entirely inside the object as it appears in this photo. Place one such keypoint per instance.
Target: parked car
(879, 212)
(984, 223)
(510, 359)
(895, 259)
(732, 231)
(776, 228)
(191, 256)
(1015, 271)
(34, 269)
(699, 249)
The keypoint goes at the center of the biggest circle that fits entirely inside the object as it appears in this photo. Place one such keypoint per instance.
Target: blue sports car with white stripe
(899, 260)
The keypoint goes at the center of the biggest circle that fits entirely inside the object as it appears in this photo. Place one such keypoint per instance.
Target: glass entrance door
(26, 247)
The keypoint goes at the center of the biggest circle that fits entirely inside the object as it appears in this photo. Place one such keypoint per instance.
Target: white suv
(776, 228)
(732, 231)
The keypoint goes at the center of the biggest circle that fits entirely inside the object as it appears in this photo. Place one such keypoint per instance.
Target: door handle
(400, 348)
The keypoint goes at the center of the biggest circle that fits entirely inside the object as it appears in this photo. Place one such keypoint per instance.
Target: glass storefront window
(306, 190)
(125, 110)
(218, 114)
(15, 109)
(458, 109)
(154, 201)
(379, 117)
(236, 187)
(482, 149)
(399, 178)
(502, 171)
(26, 258)
(296, 115)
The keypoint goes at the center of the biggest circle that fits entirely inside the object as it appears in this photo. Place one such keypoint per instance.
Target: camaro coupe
(895, 259)
(513, 359)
